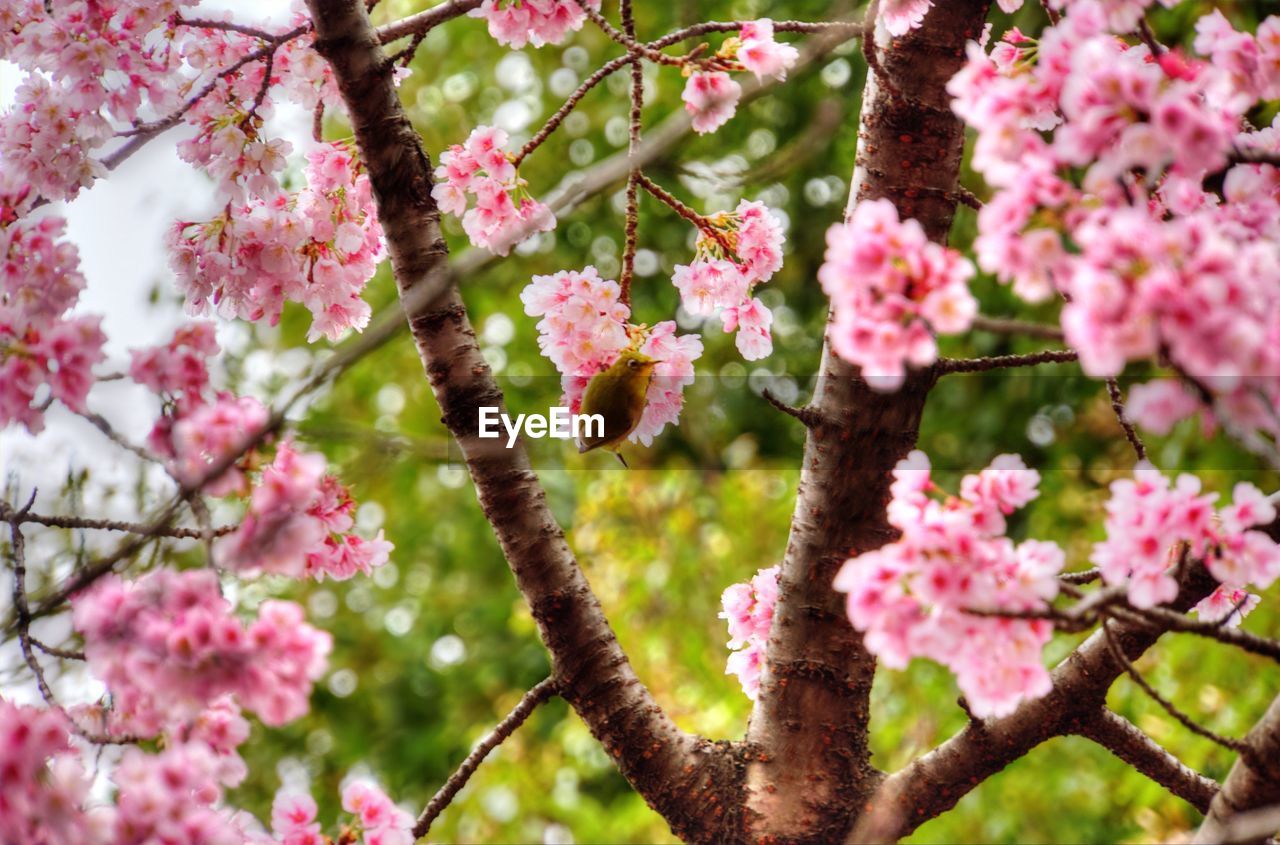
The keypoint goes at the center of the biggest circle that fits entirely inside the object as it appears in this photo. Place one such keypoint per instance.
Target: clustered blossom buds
(585, 325)
(318, 247)
(889, 286)
(748, 610)
(1106, 163)
(293, 818)
(298, 524)
(174, 795)
(711, 96)
(722, 280)
(505, 214)
(516, 23)
(1151, 523)
(41, 344)
(44, 785)
(168, 644)
(921, 596)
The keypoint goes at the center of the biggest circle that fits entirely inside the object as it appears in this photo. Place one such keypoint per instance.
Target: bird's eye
(633, 363)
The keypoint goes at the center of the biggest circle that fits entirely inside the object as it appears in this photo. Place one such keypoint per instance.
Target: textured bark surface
(809, 765)
(683, 777)
(1252, 784)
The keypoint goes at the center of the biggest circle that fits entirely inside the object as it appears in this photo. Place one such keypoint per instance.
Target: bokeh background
(438, 645)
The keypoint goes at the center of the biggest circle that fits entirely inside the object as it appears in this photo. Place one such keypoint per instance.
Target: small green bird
(618, 396)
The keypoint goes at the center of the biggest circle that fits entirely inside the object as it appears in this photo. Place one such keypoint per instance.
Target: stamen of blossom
(504, 213)
(914, 597)
(889, 286)
(585, 325)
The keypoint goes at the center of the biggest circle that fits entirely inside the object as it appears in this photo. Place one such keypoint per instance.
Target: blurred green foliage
(437, 646)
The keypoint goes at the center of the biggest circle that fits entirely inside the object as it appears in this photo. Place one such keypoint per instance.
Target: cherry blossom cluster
(584, 327)
(738, 250)
(95, 69)
(1122, 185)
(168, 644)
(42, 346)
(891, 288)
(1151, 523)
(927, 594)
(515, 23)
(45, 787)
(748, 610)
(298, 524)
(374, 815)
(504, 214)
(318, 247)
(711, 96)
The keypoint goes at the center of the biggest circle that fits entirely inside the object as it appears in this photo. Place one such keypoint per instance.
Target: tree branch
(809, 771)
(1252, 784)
(679, 774)
(539, 693)
(934, 783)
(1125, 740)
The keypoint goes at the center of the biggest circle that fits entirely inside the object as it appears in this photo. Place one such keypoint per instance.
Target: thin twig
(628, 41)
(542, 691)
(1168, 706)
(1004, 325)
(808, 416)
(1243, 640)
(80, 522)
(703, 224)
(1130, 433)
(1002, 362)
(633, 146)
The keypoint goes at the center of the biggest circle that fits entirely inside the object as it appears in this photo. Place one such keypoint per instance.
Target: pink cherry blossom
(711, 97)
(318, 247)
(915, 597)
(585, 325)
(516, 23)
(888, 285)
(167, 645)
(760, 54)
(748, 611)
(1150, 522)
(1159, 405)
(504, 213)
(902, 16)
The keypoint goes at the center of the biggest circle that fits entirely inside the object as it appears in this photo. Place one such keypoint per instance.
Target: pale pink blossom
(760, 54)
(711, 98)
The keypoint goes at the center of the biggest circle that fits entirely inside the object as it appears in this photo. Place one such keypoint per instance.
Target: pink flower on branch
(711, 98)
(922, 596)
(504, 214)
(515, 23)
(889, 286)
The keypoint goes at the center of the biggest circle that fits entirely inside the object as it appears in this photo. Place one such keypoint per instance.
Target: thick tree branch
(1125, 740)
(809, 769)
(1252, 784)
(934, 783)
(680, 775)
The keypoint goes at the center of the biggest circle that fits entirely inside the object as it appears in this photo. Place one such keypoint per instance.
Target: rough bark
(809, 768)
(1252, 784)
(680, 775)
(1125, 740)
